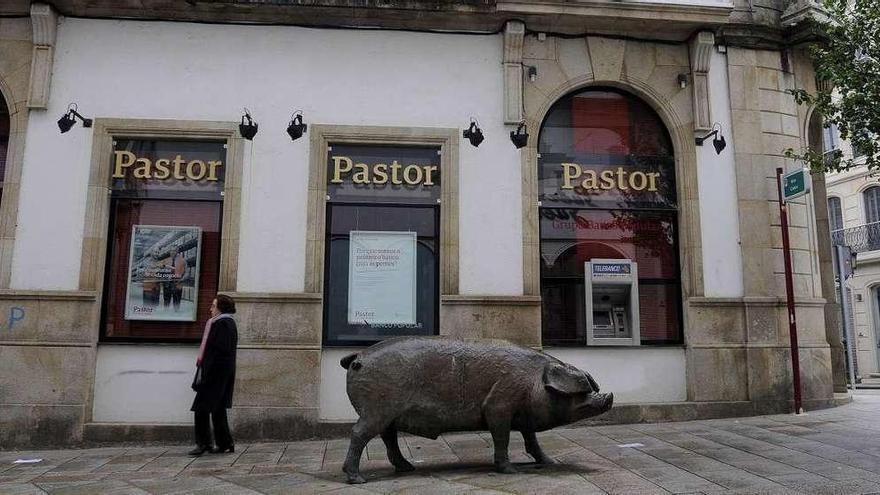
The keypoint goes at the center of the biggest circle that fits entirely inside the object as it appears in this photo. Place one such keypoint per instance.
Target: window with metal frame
(382, 246)
(872, 204)
(830, 138)
(163, 249)
(607, 190)
(835, 213)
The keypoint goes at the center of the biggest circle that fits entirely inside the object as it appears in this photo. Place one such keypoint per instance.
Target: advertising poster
(382, 278)
(163, 273)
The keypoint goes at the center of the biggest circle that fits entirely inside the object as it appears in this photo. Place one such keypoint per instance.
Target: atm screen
(601, 319)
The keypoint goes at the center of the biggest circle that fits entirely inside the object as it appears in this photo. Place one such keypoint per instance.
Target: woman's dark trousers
(221, 428)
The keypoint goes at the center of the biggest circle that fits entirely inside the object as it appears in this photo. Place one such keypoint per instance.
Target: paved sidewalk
(835, 451)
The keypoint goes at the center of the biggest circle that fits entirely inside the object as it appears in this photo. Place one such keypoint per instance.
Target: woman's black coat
(218, 368)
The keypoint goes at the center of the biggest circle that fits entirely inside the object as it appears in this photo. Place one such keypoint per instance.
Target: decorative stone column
(701, 47)
(45, 25)
(514, 32)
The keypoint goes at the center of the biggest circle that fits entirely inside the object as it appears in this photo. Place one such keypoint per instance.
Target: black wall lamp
(248, 130)
(718, 141)
(521, 137)
(296, 128)
(682, 81)
(69, 119)
(473, 134)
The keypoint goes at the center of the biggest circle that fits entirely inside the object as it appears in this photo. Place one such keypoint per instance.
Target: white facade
(849, 187)
(126, 69)
(719, 213)
(144, 384)
(159, 70)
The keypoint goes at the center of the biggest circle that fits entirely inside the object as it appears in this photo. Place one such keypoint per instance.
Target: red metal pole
(789, 296)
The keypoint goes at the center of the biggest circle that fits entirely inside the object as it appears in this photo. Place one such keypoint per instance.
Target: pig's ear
(566, 381)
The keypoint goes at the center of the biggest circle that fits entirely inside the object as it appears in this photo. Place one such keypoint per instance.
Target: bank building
(592, 178)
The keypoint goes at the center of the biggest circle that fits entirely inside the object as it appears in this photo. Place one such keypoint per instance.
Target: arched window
(872, 204)
(830, 138)
(607, 191)
(835, 213)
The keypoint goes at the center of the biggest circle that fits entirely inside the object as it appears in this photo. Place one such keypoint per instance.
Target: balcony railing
(860, 239)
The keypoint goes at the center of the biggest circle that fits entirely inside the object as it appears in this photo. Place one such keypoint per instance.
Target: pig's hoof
(403, 467)
(506, 468)
(356, 479)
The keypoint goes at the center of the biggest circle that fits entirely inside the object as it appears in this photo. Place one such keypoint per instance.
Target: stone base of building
(115, 433)
(690, 411)
(65, 430)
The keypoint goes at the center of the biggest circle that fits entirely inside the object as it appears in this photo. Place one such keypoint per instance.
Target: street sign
(795, 184)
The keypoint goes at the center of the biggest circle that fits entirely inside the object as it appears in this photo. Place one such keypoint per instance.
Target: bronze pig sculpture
(426, 386)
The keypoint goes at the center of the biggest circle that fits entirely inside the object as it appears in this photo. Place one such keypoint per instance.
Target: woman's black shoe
(220, 450)
(201, 449)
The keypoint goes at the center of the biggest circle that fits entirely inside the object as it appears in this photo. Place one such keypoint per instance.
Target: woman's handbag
(197, 380)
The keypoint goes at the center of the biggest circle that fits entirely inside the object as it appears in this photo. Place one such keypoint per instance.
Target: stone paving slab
(833, 451)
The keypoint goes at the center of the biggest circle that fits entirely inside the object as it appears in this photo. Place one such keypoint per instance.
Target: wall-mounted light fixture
(682, 80)
(296, 128)
(248, 130)
(521, 137)
(69, 119)
(473, 133)
(532, 72)
(718, 141)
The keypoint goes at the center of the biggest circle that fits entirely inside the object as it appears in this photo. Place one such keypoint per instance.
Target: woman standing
(215, 378)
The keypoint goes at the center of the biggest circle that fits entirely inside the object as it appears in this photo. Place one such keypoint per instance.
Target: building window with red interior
(163, 259)
(607, 190)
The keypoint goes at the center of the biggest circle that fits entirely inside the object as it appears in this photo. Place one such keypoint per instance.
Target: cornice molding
(799, 11)
(701, 46)
(44, 21)
(514, 33)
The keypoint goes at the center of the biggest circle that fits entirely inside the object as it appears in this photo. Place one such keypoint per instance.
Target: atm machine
(612, 302)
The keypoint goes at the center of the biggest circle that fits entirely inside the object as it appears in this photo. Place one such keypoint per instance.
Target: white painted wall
(849, 186)
(144, 383)
(863, 284)
(157, 70)
(719, 213)
(334, 403)
(634, 375)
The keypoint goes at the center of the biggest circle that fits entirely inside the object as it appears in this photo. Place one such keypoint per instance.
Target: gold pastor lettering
(164, 168)
(574, 175)
(344, 168)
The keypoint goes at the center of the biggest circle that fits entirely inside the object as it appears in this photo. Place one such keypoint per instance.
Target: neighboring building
(854, 219)
(383, 220)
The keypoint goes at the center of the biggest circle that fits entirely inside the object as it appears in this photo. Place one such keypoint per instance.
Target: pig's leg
(389, 436)
(361, 433)
(499, 426)
(534, 449)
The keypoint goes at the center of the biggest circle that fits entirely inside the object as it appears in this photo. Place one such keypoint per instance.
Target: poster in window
(382, 278)
(163, 273)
